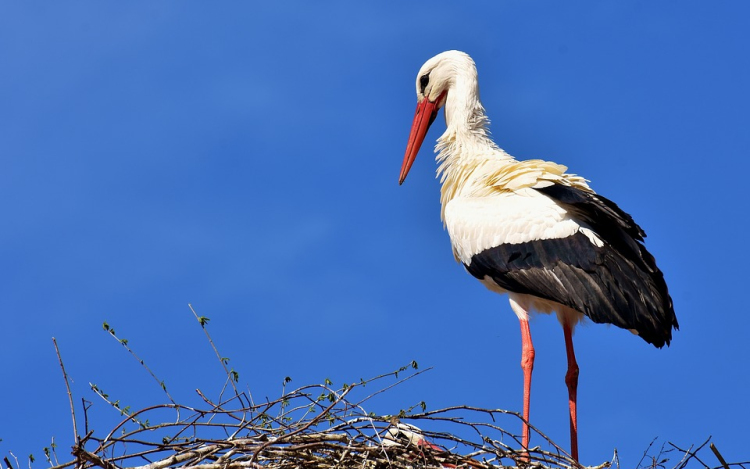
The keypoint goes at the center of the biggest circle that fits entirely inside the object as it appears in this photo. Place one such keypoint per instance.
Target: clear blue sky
(243, 157)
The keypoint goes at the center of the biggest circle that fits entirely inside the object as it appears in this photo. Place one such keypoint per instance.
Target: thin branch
(688, 454)
(142, 362)
(63, 466)
(70, 395)
(379, 391)
(216, 350)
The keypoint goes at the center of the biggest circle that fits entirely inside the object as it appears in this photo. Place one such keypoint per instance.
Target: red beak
(423, 118)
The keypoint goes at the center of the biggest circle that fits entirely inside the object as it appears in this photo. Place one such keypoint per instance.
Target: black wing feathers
(617, 283)
(604, 217)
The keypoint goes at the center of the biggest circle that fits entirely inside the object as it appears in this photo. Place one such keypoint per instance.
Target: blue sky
(243, 157)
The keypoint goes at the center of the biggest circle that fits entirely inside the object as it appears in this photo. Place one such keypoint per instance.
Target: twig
(379, 391)
(70, 395)
(142, 362)
(645, 452)
(64, 465)
(719, 456)
(216, 351)
(690, 454)
(615, 460)
(85, 414)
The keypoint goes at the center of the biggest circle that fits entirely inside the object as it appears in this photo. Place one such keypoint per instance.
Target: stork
(534, 231)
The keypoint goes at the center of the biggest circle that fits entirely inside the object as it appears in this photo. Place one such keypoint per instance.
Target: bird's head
(434, 80)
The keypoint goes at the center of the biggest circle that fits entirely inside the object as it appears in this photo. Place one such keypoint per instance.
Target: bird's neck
(466, 146)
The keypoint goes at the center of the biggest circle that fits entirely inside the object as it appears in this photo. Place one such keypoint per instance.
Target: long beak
(423, 118)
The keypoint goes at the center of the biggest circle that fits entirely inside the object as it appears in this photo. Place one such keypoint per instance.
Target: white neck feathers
(466, 145)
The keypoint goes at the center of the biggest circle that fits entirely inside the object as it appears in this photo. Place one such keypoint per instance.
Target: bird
(529, 229)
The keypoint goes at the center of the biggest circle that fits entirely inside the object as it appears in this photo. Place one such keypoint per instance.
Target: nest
(314, 426)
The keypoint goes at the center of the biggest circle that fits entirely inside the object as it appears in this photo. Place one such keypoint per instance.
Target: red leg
(571, 380)
(527, 364)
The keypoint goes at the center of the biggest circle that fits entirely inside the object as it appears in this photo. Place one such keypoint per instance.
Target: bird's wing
(532, 173)
(476, 224)
(563, 243)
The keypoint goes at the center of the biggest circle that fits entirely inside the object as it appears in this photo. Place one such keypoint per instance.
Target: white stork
(533, 231)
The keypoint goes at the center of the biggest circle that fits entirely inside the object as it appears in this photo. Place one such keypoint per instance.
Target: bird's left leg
(571, 380)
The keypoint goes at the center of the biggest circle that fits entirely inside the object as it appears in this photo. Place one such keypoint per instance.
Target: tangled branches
(314, 426)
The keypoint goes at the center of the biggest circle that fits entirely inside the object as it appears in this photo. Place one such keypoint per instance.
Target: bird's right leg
(527, 364)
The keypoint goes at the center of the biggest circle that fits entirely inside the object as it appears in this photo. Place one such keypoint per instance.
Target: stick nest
(315, 426)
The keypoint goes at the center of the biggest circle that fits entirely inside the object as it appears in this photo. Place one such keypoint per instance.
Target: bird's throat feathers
(462, 163)
(466, 146)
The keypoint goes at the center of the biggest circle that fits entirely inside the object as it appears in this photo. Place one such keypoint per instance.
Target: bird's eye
(423, 81)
